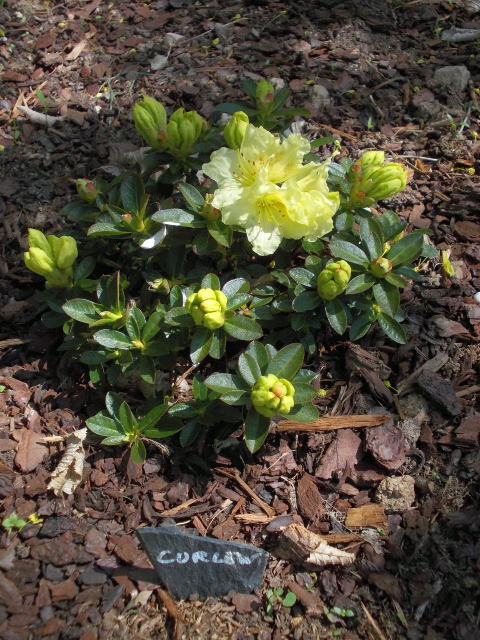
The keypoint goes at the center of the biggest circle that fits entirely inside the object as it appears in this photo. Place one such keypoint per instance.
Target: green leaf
(409, 273)
(84, 268)
(199, 389)
(259, 353)
(106, 230)
(220, 233)
(248, 368)
(238, 300)
(256, 430)
(286, 362)
(243, 328)
(132, 194)
(387, 296)
(151, 418)
(372, 237)
(391, 328)
(114, 440)
(138, 453)
(315, 246)
(126, 417)
(224, 383)
(305, 376)
(406, 250)
(391, 224)
(336, 315)
(306, 301)
(93, 357)
(152, 326)
(112, 339)
(217, 344)
(176, 217)
(396, 280)
(169, 427)
(192, 196)
(183, 410)
(200, 345)
(146, 369)
(179, 317)
(236, 398)
(157, 348)
(82, 310)
(304, 393)
(304, 413)
(303, 276)
(238, 285)
(344, 221)
(289, 600)
(231, 107)
(113, 402)
(210, 281)
(360, 283)
(134, 323)
(103, 425)
(349, 252)
(360, 326)
(190, 433)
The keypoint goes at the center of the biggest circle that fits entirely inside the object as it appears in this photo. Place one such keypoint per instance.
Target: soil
(366, 70)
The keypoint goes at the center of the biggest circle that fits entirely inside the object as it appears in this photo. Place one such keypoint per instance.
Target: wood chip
(434, 364)
(173, 612)
(330, 423)
(254, 518)
(368, 515)
(230, 473)
(173, 512)
(77, 50)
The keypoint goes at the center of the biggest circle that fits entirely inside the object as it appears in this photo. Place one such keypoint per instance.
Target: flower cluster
(264, 187)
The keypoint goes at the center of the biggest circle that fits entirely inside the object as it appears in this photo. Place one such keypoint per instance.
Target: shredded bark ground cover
(397, 487)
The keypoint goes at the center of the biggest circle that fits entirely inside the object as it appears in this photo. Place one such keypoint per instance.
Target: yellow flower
(264, 188)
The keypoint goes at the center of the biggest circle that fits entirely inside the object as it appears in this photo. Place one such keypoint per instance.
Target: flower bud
(333, 280)
(234, 130)
(207, 308)
(150, 120)
(183, 131)
(86, 189)
(380, 267)
(52, 258)
(271, 395)
(264, 93)
(372, 180)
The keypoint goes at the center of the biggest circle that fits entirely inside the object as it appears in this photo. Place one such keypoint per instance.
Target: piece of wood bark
(368, 515)
(330, 423)
(230, 473)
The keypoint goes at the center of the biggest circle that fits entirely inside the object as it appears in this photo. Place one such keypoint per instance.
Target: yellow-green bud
(183, 130)
(150, 120)
(271, 395)
(380, 267)
(52, 258)
(372, 181)
(86, 189)
(264, 93)
(234, 130)
(207, 308)
(333, 280)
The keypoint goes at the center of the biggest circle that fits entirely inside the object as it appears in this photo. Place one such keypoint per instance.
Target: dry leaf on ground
(30, 451)
(68, 475)
(297, 544)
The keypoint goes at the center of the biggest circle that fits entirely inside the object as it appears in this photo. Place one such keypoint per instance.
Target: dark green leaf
(114, 440)
(93, 357)
(304, 413)
(103, 425)
(112, 339)
(349, 252)
(315, 246)
(199, 389)
(406, 250)
(336, 315)
(287, 361)
(138, 453)
(107, 230)
(176, 217)
(113, 402)
(238, 285)
(238, 300)
(231, 107)
(387, 297)
(248, 368)
(157, 348)
(134, 323)
(259, 353)
(303, 276)
(126, 417)
(409, 273)
(165, 431)
(217, 345)
(210, 281)
(236, 398)
(372, 237)
(396, 280)
(82, 310)
(150, 419)
(304, 393)
(360, 283)
(360, 326)
(200, 345)
(179, 317)
(220, 233)
(256, 430)
(344, 221)
(243, 328)
(190, 433)
(304, 375)
(391, 225)
(306, 301)
(84, 268)
(223, 383)
(192, 196)
(146, 369)
(183, 410)
(132, 194)
(152, 326)
(391, 328)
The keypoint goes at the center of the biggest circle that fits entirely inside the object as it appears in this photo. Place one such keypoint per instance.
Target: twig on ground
(258, 501)
(330, 423)
(374, 625)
